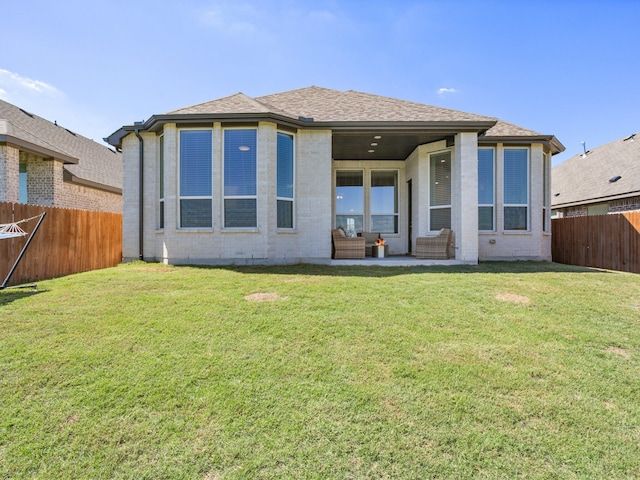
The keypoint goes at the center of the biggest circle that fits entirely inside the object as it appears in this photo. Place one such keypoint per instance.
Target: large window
(161, 184)
(546, 217)
(516, 188)
(440, 191)
(350, 200)
(195, 179)
(240, 182)
(384, 201)
(486, 190)
(284, 185)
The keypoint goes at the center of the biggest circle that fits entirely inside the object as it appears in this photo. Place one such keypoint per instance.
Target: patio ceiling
(372, 145)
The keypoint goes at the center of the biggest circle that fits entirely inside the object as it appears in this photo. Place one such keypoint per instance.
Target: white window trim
(493, 193)
(239, 197)
(528, 183)
(293, 197)
(438, 207)
(180, 196)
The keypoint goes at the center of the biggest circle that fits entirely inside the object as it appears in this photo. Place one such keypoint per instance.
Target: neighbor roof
(85, 161)
(585, 178)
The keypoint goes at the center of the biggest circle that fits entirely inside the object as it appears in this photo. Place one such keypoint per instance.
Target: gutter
(140, 191)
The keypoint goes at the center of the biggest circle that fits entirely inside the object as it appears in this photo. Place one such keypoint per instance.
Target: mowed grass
(144, 371)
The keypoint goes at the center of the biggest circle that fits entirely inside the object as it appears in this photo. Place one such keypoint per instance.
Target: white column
(464, 215)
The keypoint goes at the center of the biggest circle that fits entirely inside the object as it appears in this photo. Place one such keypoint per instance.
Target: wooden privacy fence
(68, 241)
(603, 241)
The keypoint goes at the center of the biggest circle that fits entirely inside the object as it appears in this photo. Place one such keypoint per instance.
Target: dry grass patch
(513, 298)
(264, 297)
(619, 351)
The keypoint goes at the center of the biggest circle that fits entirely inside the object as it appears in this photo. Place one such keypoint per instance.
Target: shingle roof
(504, 129)
(84, 158)
(585, 178)
(327, 105)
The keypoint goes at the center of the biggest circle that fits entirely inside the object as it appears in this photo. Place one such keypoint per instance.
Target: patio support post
(464, 217)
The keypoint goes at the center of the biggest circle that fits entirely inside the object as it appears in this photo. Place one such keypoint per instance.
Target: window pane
(485, 176)
(485, 218)
(384, 192)
(195, 163)
(195, 213)
(440, 218)
(515, 176)
(351, 224)
(384, 223)
(161, 222)
(349, 192)
(22, 183)
(240, 213)
(161, 169)
(515, 218)
(441, 179)
(285, 166)
(285, 214)
(239, 162)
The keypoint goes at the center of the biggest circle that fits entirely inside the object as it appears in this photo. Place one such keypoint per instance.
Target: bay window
(240, 180)
(516, 189)
(195, 179)
(284, 187)
(440, 191)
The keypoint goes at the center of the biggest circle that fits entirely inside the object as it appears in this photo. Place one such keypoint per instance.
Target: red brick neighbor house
(603, 180)
(43, 163)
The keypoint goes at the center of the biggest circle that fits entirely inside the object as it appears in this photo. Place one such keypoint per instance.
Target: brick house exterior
(243, 180)
(600, 181)
(42, 163)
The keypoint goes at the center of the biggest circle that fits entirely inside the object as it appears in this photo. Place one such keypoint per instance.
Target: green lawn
(504, 370)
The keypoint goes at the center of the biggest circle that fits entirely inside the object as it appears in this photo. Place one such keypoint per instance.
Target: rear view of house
(265, 180)
(43, 163)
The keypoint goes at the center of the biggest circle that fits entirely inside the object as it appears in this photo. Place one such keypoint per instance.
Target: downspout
(140, 192)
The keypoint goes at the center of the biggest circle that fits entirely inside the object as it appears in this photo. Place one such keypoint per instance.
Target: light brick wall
(310, 239)
(130, 202)
(531, 245)
(9, 174)
(464, 201)
(44, 179)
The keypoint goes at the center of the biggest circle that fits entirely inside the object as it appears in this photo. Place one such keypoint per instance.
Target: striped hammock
(10, 230)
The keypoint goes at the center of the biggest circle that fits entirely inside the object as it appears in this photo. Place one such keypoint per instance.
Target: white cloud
(47, 101)
(14, 84)
(234, 20)
(446, 91)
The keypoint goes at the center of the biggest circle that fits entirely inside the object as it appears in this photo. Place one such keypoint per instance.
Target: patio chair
(347, 247)
(434, 247)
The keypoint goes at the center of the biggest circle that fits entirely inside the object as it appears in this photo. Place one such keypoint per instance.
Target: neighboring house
(603, 180)
(42, 163)
(264, 180)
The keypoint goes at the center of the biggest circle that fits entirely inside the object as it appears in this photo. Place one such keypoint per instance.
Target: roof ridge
(234, 95)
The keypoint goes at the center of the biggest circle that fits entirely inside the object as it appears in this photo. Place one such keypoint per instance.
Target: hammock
(10, 230)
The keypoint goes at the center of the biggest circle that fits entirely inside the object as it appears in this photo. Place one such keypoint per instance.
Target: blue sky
(567, 68)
